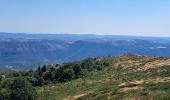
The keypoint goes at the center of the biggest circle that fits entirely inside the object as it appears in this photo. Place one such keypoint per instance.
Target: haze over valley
(27, 51)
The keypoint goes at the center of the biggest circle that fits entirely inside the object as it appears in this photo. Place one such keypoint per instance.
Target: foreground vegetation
(20, 85)
(128, 77)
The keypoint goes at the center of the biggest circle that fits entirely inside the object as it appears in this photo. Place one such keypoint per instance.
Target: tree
(16, 74)
(30, 73)
(39, 68)
(64, 74)
(68, 74)
(49, 75)
(78, 71)
(5, 94)
(21, 89)
(44, 69)
(39, 81)
(6, 83)
(88, 64)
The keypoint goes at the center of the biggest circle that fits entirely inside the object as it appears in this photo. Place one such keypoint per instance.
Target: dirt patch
(155, 64)
(137, 82)
(159, 80)
(80, 95)
(77, 96)
(155, 80)
(126, 89)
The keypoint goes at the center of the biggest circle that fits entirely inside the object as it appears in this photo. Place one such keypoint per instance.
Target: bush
(5, 94)
(21, 89)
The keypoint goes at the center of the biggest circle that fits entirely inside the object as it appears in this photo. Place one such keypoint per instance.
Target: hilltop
(129, 77)
(125, 77)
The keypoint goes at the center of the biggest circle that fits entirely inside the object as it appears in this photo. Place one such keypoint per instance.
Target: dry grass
(77, 96)
(126, 89)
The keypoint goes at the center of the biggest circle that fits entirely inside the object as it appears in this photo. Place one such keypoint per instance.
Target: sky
(115, 17)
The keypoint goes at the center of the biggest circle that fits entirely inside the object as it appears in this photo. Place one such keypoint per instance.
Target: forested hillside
(25, 54)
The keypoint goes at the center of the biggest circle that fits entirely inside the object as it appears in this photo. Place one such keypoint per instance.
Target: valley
(18, 50)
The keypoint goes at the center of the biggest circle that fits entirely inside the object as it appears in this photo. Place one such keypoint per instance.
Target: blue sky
(117, 17)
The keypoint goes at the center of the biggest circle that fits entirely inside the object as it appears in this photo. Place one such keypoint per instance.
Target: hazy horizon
(100, 17)
(86, 34)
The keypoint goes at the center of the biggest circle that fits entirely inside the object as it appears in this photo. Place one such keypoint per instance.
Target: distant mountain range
(21, 51)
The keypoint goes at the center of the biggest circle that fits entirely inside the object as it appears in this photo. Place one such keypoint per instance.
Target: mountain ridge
(17, 53)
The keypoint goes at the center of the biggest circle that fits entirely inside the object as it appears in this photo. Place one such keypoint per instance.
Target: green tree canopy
(21, 89)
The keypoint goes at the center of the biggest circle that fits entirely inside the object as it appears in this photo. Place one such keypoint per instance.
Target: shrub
(21, 89)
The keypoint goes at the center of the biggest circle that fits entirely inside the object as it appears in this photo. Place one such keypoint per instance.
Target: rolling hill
(129, 77)
(123, 77)
(25, 51)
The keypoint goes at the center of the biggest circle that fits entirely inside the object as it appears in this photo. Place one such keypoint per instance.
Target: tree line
(21, 85)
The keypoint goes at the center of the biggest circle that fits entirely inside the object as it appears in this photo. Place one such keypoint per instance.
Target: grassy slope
(129, 77)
